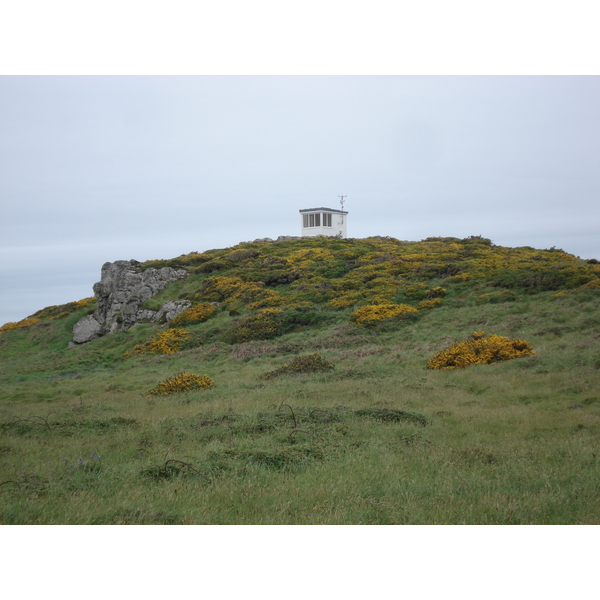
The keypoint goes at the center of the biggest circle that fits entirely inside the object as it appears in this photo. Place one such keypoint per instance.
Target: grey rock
(121, 291)
(170, 309)
(123, 288)
(145, 314)
(86, 330)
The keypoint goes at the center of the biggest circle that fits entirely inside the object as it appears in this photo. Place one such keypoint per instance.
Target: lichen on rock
(122, 290)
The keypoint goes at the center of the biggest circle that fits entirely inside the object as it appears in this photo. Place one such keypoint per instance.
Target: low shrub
(238, 256)
(369, 315)
(195, 314)
(308, 363)
(305, 316)
(480, 350)
(212, 266)
(496, 297)
(184, 382)
(231, 290)
(436, 292)
(392, 415)
(417, 291)
(263, 325)
(544, 280)
(62, 310)
(268, 299)
(18, 325)
(168, 342)
(460, 278)
(594, 284)
(424, 304)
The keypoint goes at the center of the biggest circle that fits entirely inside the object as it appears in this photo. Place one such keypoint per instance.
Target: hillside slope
(378, 438)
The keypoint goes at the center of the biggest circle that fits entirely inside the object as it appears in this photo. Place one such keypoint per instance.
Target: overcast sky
(96, 169)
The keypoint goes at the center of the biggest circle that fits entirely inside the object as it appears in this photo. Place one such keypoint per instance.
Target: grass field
(377, 440)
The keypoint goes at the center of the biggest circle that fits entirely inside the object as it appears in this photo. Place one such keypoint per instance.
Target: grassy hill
(323, 408)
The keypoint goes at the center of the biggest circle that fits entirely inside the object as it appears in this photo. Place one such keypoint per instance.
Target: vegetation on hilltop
(306, 397)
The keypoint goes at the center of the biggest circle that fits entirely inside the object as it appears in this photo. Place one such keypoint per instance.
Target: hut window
(316, 219)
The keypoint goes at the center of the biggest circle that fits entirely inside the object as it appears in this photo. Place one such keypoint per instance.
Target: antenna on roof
(342, 203)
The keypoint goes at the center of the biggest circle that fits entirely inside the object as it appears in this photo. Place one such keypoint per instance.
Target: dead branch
(292, 411)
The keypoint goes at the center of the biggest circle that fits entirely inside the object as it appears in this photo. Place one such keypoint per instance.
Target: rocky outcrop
(281, 238)
(169, 310)
(122, 290)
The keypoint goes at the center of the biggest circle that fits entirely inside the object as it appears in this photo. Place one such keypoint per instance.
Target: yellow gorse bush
(184, 382)
(594, 284)
(17, 325)
(62, 310)
(50, 312)
(341, 274)
(480, 350)
(461, 277)
(168, 342)
(232, 290)
(83, 303)
(424, 304)
(300, 257)
(365, 285)
(195, 314)
(270, 298)
(369, 315)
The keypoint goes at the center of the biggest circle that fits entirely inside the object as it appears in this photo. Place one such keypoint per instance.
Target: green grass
(377, 440)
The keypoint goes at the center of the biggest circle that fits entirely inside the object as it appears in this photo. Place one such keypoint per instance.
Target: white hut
(323, 221)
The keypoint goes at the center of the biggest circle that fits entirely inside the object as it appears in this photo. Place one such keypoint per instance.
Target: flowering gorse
(168, 342)
(19, 324)
(62, 310)
(480, 350)
(424, 304)
(50, 312)
(195, 314)
(183, 382)
(369, 315)
(233, 290)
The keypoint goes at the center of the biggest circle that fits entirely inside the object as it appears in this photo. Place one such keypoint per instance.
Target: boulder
(86, 330)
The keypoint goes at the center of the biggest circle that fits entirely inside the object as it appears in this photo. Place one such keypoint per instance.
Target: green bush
(496, 297)
(308, 363)
(262, 325)
(213, 265)
(543, 281)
